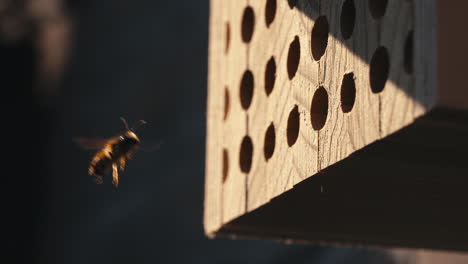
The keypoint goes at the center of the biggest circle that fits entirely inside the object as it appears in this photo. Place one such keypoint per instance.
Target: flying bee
(113, 152)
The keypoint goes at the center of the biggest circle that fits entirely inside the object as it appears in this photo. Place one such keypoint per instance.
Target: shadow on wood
(409, 190)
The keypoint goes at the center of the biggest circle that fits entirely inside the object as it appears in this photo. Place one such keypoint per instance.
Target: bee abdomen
(100, 164)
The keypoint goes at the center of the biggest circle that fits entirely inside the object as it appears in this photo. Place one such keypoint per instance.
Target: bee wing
(90, 143)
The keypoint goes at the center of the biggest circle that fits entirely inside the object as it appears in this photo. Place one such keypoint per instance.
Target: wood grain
(239, 182)
(397, 100)
(234, 187)
(345, 133)
(213, 165)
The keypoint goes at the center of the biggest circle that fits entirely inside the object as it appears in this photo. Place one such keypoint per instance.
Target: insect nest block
(338, 121)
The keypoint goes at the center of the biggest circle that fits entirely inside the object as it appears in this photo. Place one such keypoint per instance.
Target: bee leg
(115, 175)
(122, 162)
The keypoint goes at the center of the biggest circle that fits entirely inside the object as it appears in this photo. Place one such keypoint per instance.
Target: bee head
(130, 137)
(130, 133)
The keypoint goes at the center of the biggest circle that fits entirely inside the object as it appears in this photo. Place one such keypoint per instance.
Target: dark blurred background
(88, 63)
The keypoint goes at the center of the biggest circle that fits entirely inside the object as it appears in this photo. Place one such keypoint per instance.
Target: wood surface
(344, 133)
(397, 100)
(397, 192)
(305, 106)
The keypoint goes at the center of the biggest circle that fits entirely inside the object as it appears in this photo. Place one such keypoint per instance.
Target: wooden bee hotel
(338, 122)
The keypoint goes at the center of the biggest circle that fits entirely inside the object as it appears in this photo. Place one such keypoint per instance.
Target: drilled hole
(225, 165)
(270, 12)
(226, 102)
(292, 3)
(292, 131)
(294, 55)
(379, 68)
(246, 89)
(269, 144)
(270, 76)
(348, 93)
(246, 153)
(319, 37)
(319, 108)
(347, 19)
(408, 56)
(377, 8)
(248, 21)
(228, 37)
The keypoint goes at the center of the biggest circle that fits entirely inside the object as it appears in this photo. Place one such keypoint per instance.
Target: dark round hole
(228, 38)
(270, 12)
(348, 92)
(246, 153)
(377, 8)
(269, 144)
(248, 21)
(347, 19)
(246, 89)
(319, 37)
(294, 55)
(408, 56)
(319, 108)
(270, 75)
(226, 102)
(225, 164)
(292, 131)
(292, 3)
(379, 68)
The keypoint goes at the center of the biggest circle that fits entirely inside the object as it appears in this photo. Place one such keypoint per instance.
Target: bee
(113, 152)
